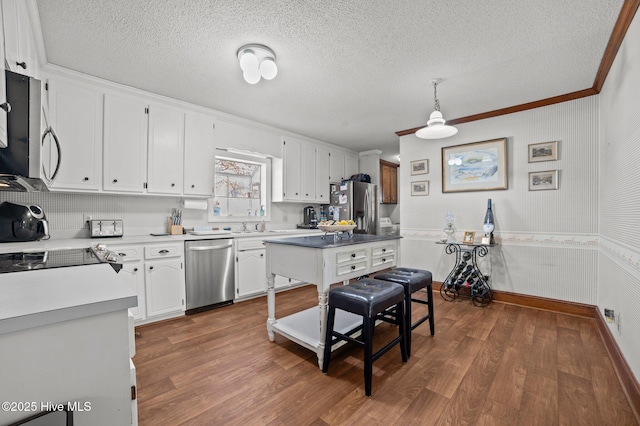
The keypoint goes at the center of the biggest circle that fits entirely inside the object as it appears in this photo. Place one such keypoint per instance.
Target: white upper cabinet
(322, 174)
(125, 144)
(342, 165)
(351, 165)
(166, 139)
(199, 154)
(291, 153)
(336, 166)
(20, 52)
(308, 173)
(76, 118)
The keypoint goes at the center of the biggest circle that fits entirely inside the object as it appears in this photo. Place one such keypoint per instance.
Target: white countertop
(65, 243)
(46, 296)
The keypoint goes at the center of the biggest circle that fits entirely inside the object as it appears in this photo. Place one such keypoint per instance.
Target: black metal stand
(466, 279)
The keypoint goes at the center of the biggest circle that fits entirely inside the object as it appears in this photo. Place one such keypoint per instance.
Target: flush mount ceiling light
(257, 61)
(436, 129)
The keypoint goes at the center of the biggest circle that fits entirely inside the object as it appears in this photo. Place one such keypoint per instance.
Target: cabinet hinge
(214, 126)
(236, 259)
(133, 393)
(46, 86)
(146, 110)
(144, 185)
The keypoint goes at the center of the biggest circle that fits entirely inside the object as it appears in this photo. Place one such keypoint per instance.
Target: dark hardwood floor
(498, 365)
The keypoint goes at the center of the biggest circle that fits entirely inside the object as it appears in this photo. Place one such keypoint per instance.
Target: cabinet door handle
(135, 269)
(22, 65)
(173, 184)
(150, 267)
(115, 181)
(85, 179)
(6, 107)
(193, 186)
(261, 254)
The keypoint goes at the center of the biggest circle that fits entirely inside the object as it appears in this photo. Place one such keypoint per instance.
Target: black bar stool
(367, 298)
(412, 280)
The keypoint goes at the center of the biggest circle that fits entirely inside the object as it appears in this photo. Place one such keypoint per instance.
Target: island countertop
(41, 297)
(328, 241)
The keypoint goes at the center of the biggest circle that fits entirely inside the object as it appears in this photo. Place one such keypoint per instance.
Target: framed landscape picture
(419, 167)
(545, 151)
(539, 181)
(420, 188)
(477, 166)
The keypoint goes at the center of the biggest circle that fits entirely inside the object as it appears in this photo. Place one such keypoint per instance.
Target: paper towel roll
(195, 204)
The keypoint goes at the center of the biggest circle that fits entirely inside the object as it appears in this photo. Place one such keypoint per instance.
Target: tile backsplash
(66, 212)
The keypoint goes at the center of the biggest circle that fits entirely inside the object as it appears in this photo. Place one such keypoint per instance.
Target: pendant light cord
(436, 103)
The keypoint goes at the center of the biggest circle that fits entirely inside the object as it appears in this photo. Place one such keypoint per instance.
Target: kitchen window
(241, 183)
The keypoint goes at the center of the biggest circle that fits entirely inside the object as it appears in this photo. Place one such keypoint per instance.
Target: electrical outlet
(610, 315)
(619, 323)
(86, 218)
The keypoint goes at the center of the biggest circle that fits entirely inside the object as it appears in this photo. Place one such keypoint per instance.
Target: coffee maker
(310, 219)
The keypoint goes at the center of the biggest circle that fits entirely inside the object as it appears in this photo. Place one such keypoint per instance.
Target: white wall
(619, 207)
(547, 239)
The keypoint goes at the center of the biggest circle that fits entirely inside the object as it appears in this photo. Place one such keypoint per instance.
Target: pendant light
(436, 129)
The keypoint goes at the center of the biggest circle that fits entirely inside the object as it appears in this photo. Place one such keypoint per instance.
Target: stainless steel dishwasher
(209, 274)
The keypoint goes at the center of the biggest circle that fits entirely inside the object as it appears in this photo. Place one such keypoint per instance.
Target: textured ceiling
(351, 72)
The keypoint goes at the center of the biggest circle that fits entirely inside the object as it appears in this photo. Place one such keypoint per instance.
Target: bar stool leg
(404, 330)
(407, 320)
(331, 316)
(367, 337)
(432, 326)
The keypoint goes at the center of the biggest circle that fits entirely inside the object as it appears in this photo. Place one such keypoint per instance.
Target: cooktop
(33, 260)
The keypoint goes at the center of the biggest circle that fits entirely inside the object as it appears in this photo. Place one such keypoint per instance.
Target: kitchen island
(322, 260)
(66, 339)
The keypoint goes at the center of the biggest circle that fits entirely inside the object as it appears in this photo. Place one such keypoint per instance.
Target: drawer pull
(353, 255)
(384, 250)
(150, 267)
(353, 267)
(163, 251)
(384, 260)
(135, 269)
(122, 254)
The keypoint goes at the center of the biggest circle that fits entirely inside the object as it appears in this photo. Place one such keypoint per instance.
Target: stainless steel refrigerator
(357, 201)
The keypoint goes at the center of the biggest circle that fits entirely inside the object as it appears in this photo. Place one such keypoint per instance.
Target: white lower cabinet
(251, 269)
(133, 274)
(164, 285)
(156, 273)
(251, 278)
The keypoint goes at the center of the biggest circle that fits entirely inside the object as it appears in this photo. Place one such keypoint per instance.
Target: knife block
(174, 229)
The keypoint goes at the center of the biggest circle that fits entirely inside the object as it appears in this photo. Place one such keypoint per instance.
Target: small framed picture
(539, 181)
(468, 237)
(545, 151)
(419, 167)
(420, 187)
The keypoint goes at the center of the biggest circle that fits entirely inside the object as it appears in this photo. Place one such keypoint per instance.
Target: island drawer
(161, 251)
(388, 259)
(351, 256)
(383, 250)
(352, 267)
